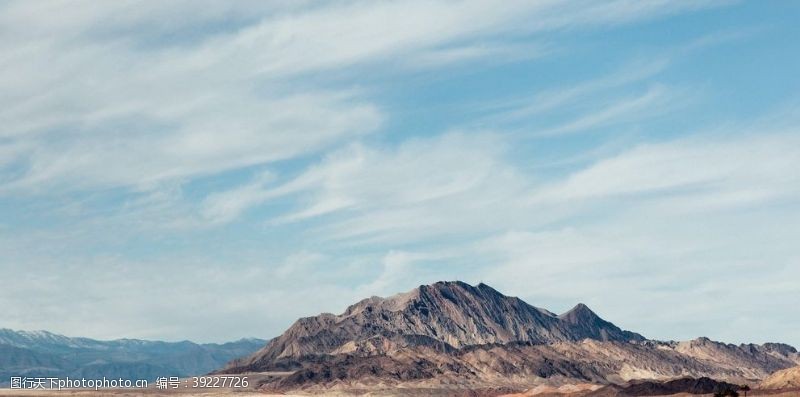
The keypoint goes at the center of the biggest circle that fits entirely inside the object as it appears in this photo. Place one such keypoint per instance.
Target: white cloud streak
(751, 167)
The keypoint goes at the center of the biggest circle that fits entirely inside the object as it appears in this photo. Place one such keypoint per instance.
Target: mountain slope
(510, 367)
(41, 353)
(20, 361)
(454, 335)
(785, 379)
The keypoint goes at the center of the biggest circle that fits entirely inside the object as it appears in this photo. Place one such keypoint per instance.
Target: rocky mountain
(41, 353)
(785, 379)
(445, 315)
(454, 336)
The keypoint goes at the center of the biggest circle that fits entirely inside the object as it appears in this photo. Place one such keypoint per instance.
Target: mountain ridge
(450, 312)
(43, 353)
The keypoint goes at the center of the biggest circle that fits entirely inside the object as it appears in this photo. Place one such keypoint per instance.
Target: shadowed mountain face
(654, 388)
(463, 336)
(45, 354)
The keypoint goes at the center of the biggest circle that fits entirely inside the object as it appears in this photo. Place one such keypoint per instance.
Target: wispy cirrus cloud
(113, 95)
(549, 100)
(752, 165)
(429, 188)
(654, 100)
(424, 184)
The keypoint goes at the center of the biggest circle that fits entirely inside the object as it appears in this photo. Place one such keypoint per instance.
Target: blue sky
(209, 171)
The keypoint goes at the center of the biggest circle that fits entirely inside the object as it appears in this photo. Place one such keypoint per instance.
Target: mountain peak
(582, 307)
(580, 312)
(589, 325)
(445, 283)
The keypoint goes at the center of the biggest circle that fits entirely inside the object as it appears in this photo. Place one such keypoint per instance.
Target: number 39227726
(219, 382)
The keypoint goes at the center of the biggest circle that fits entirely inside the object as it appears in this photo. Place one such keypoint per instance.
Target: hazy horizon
(206, 171)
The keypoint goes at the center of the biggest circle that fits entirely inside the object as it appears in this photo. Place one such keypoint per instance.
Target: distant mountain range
(41, 353)
(451, 335)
